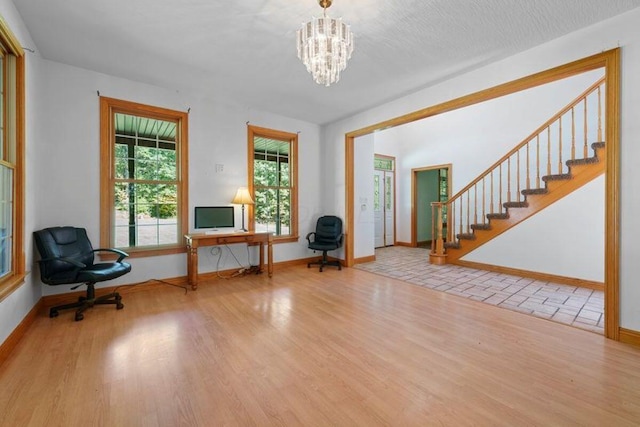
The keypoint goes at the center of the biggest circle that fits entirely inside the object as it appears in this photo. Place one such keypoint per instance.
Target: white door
(383, 197)
(378, 208)
(389, 220)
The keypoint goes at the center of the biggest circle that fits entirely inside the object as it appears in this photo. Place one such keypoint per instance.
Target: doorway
(384, 184)
(429, 184)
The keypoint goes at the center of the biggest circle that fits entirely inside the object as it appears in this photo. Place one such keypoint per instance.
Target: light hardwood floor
(315, 349)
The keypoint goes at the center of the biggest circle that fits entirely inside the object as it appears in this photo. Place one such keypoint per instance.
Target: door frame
(610, 61)
(414, 196)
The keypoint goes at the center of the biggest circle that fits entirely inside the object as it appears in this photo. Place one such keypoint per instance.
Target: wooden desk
(194, 241)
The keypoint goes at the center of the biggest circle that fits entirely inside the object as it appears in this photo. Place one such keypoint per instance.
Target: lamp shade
(242, 197)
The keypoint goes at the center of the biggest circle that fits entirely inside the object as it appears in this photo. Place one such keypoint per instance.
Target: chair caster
(119, 306)
(53, 313)
(79, 317)
(82, 299)
(308, 265)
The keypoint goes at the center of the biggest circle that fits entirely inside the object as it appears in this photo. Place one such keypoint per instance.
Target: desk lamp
(242, 197)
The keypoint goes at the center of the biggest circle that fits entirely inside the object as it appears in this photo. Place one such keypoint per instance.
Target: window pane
(2, 99)
(376, 193)
(122, 168)
(6, 223)
(145, 170)
(167, 233)
(283, 213)
(167, 166)
(273, 211)
(285, 180)
(264, 173)
(144, 214)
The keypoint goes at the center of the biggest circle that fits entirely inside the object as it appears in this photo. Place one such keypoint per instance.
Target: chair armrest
(309, 235)
(122, 254)
(63, 259)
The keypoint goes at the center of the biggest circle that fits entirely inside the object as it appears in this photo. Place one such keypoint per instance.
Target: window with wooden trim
(143, 178)
(12, 268)
(273, 176)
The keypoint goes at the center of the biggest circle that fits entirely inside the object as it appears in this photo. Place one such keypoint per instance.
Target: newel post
(437, 255)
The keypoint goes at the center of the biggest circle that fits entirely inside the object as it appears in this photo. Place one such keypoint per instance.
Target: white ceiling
(245, 49)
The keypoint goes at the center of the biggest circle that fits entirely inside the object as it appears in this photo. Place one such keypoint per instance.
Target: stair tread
(515, 204)
(532, 191)
(498, 216)
(466, 236)
(557, 177)
(585, 161)
(486, 226)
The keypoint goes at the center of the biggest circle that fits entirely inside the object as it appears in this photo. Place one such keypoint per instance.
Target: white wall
(565, 239)
(619, 31)
(363, 192)
(68, 161)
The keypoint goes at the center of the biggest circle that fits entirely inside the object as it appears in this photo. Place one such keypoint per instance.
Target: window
(273, 173)
(443, 191)
(143, 178)
(12, 267)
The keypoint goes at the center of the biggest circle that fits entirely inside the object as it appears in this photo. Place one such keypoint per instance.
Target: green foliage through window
(146, 189)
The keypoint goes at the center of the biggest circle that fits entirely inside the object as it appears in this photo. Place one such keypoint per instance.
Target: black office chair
(67, 258)
(327, 237)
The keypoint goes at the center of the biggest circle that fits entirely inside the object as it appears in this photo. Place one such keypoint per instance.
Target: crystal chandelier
(324, 46)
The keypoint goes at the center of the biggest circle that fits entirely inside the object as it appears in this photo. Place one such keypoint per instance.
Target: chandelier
(324, 46)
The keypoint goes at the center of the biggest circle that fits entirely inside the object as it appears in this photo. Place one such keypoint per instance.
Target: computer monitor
(213, 217)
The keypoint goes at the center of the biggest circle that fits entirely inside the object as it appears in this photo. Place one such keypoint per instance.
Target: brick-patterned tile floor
(579, 307)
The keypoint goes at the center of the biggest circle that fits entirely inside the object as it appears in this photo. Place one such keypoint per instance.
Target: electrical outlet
(219, 167)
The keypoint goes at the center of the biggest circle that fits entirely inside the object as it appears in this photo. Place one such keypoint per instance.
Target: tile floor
(579, 307)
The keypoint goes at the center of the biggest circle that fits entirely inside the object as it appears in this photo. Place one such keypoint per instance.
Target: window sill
(142, 253)
(10, 284)
(285, 239)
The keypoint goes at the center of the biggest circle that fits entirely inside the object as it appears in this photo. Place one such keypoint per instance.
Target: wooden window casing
(111, 179)
(291, 179)
(12, 164)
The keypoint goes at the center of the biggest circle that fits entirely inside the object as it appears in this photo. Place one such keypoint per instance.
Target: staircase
(532, 176)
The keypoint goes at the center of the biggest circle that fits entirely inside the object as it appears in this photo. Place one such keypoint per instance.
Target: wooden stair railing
(524, 171)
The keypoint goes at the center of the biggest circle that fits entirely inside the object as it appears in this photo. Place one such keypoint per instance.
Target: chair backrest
(69, 242)
(328, 229)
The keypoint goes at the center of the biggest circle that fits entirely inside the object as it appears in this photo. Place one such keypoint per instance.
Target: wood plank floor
(315, 349)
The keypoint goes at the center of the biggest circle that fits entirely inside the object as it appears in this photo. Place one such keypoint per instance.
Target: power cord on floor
(164, 282)
(216, 251)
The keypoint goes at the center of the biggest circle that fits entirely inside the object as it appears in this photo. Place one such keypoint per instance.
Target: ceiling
(245, 49)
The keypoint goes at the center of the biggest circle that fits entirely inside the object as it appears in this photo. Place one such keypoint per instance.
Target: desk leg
(192, 266)
(261, 257)
(270, 257)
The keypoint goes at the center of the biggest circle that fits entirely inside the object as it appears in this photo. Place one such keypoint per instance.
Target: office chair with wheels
(67, 257)
(327, 237)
